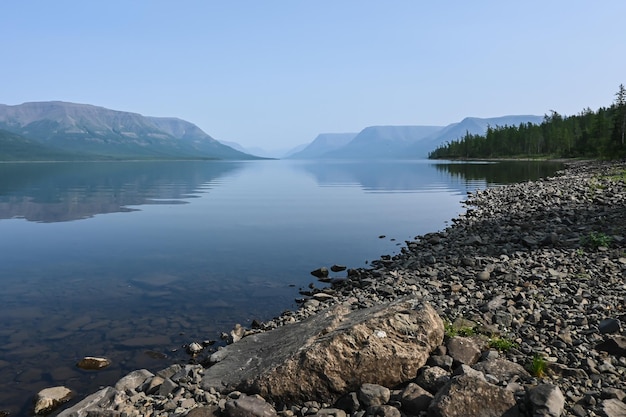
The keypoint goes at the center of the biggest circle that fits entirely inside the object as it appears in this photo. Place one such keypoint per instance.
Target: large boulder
(331, 353)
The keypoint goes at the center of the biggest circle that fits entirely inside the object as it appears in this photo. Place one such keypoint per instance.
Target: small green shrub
(449, 330)
(596, 239)
(502, 344)
(619, 176)
(538, 366)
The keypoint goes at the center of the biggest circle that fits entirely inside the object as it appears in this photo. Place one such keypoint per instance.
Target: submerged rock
(320, 272)
(93, 363)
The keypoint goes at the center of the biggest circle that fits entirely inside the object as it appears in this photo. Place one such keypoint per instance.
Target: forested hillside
(589, 134)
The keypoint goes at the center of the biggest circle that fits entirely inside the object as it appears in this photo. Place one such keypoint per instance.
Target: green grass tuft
(538, 366)
(596, 239)
(502, 344)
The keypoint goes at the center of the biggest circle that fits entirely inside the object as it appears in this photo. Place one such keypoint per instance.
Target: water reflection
(417, 176)
(500, 173)
(59, 192)
(377, 176)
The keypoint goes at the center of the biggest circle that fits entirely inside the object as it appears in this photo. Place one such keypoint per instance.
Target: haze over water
(132, 260)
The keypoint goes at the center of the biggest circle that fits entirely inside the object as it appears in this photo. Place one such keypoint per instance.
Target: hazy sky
(276, 73)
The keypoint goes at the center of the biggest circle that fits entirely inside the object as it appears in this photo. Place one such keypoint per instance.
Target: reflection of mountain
(390, 176)
(56, 192)
(419, 176)
(504, 172)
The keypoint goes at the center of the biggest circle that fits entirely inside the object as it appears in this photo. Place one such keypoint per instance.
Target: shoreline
(519, 247)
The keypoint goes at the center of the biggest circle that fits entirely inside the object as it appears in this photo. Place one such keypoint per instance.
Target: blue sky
(276, 73)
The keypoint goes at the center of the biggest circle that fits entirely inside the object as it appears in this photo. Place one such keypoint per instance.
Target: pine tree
(620, 104)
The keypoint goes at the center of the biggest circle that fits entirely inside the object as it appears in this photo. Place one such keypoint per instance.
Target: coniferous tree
(620, 104)
(599, 134)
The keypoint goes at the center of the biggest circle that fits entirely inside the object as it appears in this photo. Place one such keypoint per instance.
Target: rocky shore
(517, 309)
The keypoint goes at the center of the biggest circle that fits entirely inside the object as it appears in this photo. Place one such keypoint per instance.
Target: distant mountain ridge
(100, 132)
(322, 144)
(405, 142)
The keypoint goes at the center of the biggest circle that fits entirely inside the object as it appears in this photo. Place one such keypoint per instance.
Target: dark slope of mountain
(97, 131)
(380, 142)
(14, 147)
(473, 125)
(322, 144)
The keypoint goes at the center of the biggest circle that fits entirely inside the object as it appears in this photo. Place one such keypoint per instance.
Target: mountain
(97, 132)
(14, 147)
(473, 125)
(412, 142)
(294, 150)
(322, 144)
(381, 142)
(255, 150)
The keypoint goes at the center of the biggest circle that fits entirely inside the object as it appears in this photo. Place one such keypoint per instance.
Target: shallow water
(131, 260)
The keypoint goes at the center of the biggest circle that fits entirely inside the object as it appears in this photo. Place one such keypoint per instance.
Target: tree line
(589, 134)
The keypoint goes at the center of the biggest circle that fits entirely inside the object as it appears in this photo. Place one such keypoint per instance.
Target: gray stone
(463, 350)
(615, 345)
(50, 398)
(466, 395)
(466, 370)
(546, 400)
(373, 394)
(152, 385)
(502, 369)
(103, 399)
(383, 411)
(613, 408)
(610, 392)
(607, 326)
(169, 371)
(415, 399)
(349, 402)
(133, 380)
(484, 276)
(331, 353)
(330, 412)
(167, 387)
(442, 361)
(209, 411)
(433, 378)
(249, 406)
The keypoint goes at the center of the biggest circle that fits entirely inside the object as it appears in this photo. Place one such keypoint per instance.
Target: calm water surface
(131, 260)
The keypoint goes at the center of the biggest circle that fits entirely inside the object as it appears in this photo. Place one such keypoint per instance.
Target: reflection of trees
(53, 192)
(505, 172)
(415, 176)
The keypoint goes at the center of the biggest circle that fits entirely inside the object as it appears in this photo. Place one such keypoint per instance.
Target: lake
(132, 260)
